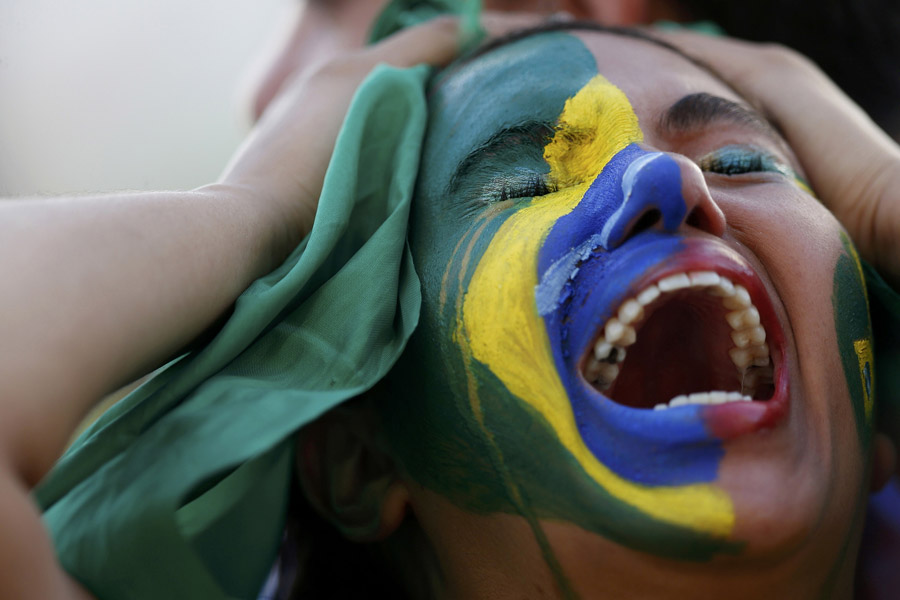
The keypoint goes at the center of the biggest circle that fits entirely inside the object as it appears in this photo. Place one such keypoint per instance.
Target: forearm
(99, 290)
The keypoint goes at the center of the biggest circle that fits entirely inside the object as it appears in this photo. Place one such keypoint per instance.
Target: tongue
(681, 348)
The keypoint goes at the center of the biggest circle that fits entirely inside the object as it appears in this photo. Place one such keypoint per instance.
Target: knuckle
(444, 23)
(780, 55)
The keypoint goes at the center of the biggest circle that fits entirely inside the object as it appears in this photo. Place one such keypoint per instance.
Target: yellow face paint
(504, 331)
(866, 360)
(863, 346)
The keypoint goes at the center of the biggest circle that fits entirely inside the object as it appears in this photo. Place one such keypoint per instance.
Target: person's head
(643, 364)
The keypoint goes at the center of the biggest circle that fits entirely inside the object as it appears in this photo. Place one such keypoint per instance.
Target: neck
(806, 574)
(496, 556)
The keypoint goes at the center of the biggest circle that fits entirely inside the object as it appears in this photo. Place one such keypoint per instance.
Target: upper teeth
(749, 337)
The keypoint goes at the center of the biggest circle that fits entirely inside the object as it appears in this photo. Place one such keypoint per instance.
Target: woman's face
(640, 331)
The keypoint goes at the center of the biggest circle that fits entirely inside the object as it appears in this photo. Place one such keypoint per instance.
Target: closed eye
(508, 165)
(740, 160)
(520, 183)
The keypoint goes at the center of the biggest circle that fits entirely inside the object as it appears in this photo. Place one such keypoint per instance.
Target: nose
(665, 192)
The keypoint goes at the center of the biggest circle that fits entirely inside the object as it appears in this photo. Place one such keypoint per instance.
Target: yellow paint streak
(501, 327)
(595, 124)
(805, 187)
(864, 355)
(478, 225)
(445, 278)
(863, 347)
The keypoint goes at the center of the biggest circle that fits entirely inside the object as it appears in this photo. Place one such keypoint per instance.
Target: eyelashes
(525, 182)
(520, 183)
(740, 160)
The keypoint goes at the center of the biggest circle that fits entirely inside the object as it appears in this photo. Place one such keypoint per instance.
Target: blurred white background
(100, 95)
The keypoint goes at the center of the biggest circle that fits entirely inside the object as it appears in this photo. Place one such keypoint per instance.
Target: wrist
(274, 227)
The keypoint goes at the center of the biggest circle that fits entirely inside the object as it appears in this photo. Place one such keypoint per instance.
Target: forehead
(529, 81)
(652, 76)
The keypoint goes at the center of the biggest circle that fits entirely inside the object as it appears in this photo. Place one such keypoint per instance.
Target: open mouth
(688, 338)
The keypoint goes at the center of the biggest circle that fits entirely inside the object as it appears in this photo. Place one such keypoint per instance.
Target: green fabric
(400, 14)
(180, 490)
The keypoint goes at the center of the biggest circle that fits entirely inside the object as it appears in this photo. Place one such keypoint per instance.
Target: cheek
(817, 268)
(814, 269)
(817, 273)
(797, 242)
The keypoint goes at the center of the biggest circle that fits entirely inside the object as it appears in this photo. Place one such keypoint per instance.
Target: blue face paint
(652, 183)
(584, 277)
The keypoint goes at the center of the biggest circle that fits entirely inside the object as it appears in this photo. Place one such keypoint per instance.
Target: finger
(498, 24)
(435, 43)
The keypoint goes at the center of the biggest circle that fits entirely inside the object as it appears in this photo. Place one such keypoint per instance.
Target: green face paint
(853, 328)
(854, 336)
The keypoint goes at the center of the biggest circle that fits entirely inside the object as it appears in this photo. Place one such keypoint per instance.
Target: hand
(286, 156)
(852, 165)
(283, 161)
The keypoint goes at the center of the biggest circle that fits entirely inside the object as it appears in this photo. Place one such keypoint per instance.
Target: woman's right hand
(852, 165)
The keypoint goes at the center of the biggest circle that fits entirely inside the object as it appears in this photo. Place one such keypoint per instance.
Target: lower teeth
(704, 398)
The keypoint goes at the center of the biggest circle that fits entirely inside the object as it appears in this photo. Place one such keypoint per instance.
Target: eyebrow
(696, 111)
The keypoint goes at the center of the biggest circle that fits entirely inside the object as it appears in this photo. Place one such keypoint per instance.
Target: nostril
(645, 222)
(701, 219)
(696, 219)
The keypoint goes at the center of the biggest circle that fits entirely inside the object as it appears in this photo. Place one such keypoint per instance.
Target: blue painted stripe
(582, 282)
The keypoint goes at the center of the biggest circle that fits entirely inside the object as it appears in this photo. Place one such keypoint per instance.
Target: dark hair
(318, 562)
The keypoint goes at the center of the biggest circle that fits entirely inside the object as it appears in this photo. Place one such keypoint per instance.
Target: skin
(504, 463)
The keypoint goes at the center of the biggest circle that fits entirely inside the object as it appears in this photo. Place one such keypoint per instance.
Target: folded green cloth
(180, 490)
